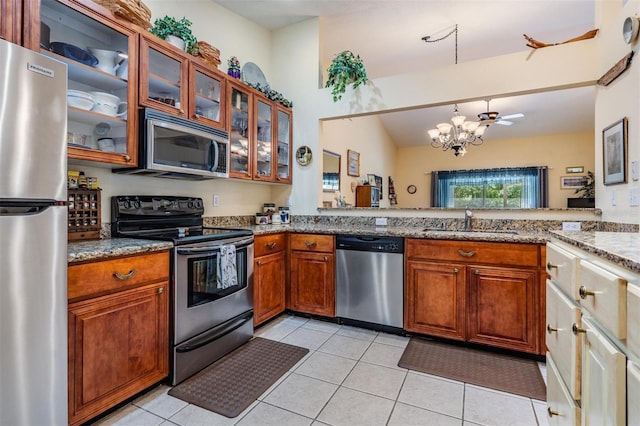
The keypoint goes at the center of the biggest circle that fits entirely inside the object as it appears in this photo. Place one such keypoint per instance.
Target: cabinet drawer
(268, 244)
(562, 266)
(633, 319)
(604, 295)
(561, 407)
(633, 393)
(473, 251)
(110, 275)
(563, 344)
(312, 242)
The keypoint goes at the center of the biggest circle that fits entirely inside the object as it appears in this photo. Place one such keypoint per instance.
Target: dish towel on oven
(227, 273)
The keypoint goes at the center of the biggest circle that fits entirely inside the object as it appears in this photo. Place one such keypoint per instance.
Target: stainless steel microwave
(177, 148)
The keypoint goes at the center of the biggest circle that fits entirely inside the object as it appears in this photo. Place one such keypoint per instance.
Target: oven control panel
(156, 205)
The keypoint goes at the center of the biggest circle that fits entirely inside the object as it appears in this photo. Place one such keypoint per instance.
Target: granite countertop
(622, 248)
(79, 251)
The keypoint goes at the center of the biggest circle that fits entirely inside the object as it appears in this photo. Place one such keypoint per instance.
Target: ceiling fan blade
(510, 116)
(504, 122)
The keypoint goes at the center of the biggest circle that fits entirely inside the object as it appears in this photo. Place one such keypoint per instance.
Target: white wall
(619, 99)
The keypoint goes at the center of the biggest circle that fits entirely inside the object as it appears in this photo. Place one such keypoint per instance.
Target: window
(504, 188)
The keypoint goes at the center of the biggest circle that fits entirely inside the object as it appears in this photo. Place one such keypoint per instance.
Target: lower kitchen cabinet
(481, 292)
(118, 335)
(312, 282)
(269, 277)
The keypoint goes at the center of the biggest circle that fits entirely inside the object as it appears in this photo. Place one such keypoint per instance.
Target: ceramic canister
(284, 214)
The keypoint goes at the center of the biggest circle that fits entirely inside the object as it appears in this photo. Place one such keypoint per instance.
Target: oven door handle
(220, 331)
(213, 247)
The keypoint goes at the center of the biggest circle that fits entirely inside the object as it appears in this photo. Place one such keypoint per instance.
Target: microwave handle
(214, 166)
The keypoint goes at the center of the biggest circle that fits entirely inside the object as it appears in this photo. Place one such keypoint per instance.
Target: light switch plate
(614, 197)
(635, 170)
(216, 201)
(570, 226)
(634, 197)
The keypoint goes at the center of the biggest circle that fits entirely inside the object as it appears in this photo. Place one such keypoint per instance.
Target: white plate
(82, 101)
(251, 73)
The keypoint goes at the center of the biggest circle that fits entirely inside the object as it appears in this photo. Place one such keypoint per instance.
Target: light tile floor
(350, 377)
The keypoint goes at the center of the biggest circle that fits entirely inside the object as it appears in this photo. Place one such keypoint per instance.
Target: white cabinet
(561, 407)
(593, 318)
(633, 394)
(603, 379)
(564, 345)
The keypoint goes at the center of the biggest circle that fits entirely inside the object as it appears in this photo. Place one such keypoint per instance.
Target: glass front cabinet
(240, 131)
(284, 130)
(164, 69)
(101, 125)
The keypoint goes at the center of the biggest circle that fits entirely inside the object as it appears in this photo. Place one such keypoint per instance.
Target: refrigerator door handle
(25, 207)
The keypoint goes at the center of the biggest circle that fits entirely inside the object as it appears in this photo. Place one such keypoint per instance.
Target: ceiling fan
(493, 117)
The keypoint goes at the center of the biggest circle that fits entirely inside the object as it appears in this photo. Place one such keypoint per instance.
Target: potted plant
(587, 194)
(346, 68)
(167, 28)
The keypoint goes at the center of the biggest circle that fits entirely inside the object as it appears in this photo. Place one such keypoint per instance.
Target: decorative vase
(234, 72)
(176, 41)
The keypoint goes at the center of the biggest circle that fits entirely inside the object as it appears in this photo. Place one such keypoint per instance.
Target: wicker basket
(208, 53)
(134, 11)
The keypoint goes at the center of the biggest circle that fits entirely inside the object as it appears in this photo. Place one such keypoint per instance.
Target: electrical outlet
(216, 201)
(634, 197)
(381, 221)
(614, 197)
(570, 226)
(635, 170)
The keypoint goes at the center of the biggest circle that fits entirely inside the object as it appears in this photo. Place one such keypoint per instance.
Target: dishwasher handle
(370, 243)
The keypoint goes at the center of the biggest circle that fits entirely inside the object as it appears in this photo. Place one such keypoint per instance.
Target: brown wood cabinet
(312, 282)
(11, 20)
(269, 276)
(480, 292)
(180, 84)
(118, 318)
(85, 23)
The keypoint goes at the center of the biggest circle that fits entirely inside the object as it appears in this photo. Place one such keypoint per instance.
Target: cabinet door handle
(551, 266)
(310, 244)
(584, 292)
(326, 258)
(161, 290)
(271, 245)
(552, 412)
(576, 330)
(456, 270)
(124, 277)
(466, 253)
(476, 271)
(551, 329)
(127, 158)
(259, 262)
(181, 111)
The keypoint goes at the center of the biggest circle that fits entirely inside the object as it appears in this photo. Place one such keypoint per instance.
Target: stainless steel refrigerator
(33, 238)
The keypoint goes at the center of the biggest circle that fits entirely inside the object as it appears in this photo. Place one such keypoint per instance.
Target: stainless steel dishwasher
(370, 279)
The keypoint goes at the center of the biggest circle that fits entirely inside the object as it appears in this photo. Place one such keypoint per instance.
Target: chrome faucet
(467, 220)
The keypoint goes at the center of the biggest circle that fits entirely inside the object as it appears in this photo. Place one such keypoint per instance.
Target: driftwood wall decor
(615, 71)
(531, 42)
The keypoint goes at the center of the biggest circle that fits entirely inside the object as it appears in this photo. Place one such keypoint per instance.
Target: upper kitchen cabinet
(10, 20)
(101, 55)
(260, 133)
(175, 82)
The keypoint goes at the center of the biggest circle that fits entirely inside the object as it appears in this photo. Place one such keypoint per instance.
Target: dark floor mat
(483, 368)
(232, 383)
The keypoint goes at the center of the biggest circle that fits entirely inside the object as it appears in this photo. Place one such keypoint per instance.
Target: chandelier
(457, 135)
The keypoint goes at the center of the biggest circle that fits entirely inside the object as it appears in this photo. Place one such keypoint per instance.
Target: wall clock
(630, 29)
(411, 189)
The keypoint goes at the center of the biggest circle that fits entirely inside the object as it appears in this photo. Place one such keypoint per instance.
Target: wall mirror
(330, 171)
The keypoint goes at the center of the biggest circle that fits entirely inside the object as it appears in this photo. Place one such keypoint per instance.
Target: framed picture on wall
(572, 182)
(353, 161)
(614, 152)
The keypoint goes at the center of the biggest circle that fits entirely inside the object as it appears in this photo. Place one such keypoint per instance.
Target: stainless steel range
(212, 303)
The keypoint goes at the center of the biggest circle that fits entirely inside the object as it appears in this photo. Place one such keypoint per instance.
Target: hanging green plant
(346, 68)
(164, 27)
